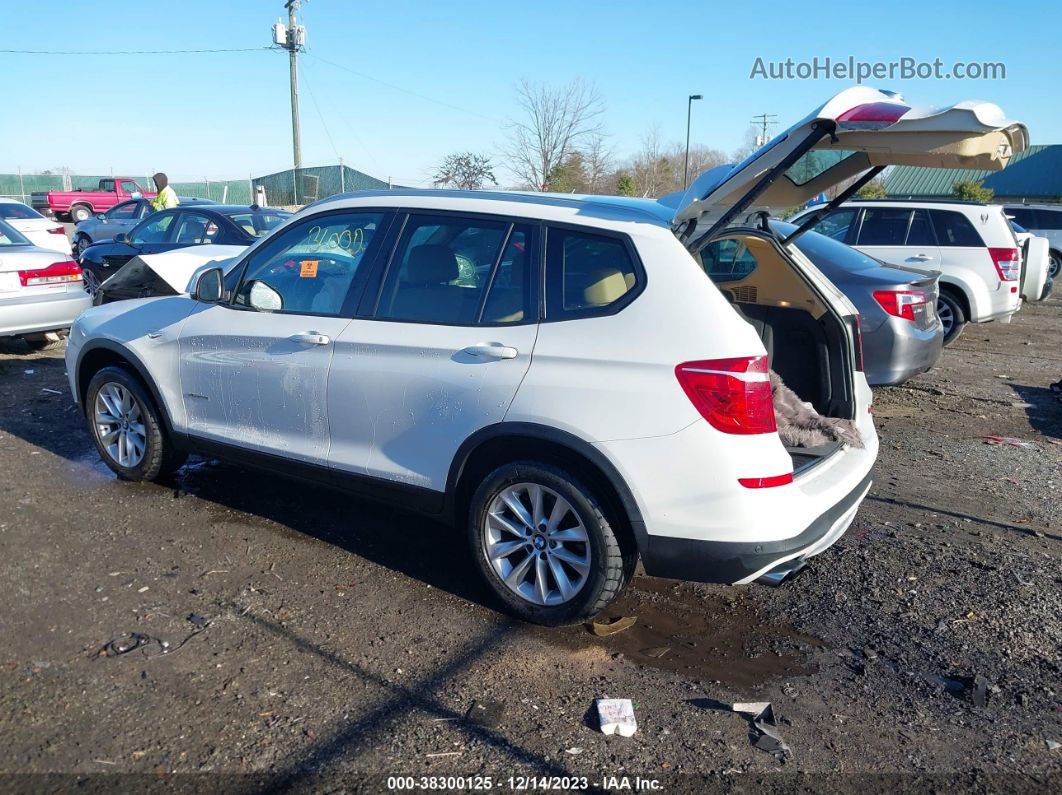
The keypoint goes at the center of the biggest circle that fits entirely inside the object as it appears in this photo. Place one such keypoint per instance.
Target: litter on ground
(616, 716)
(763, 733)
(604, 628)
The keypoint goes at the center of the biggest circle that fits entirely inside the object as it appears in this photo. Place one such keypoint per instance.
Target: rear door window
(442, 269)
(954, 229)
(884, 226)
(920, 233)
(588, 274)
(194, 229)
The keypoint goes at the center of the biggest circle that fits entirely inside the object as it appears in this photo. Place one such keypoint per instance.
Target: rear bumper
(36, 314)
(898, 350)
(740, 562)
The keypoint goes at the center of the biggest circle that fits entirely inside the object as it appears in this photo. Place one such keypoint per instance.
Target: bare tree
(465, 170)
(652, 172)
(597, 160)
(557, 120)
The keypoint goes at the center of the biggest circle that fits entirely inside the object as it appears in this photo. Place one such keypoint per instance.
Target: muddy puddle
(708, 637)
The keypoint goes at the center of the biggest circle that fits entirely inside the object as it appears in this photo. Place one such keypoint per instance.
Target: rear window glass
(10, 237)
(18, 212)
(1049, 219)
(815, 162)
(884, 226)
(953, 229)
(827, 254)
(586, 273)
(1023, 216)
(257, 224)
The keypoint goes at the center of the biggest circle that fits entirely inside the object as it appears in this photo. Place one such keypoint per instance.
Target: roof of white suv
(549, 206)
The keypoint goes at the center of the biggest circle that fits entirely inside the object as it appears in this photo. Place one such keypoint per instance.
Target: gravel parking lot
(292, 637)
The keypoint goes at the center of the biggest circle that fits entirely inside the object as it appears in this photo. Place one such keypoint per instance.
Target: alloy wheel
(120, 424)
(1054, 265)
(947, 317)
(90, 280)
(536, 543)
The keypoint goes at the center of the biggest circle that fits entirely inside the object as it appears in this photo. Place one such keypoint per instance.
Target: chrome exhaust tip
(782, 572)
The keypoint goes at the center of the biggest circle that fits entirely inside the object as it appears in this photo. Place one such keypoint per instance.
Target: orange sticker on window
(308, 269)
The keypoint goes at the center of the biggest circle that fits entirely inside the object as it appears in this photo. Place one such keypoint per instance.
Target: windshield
(19, 212)
(257, 224)
(824, 250)
(10, 237)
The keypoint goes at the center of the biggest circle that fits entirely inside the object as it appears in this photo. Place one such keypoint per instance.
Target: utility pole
(762, 121)
(293, 38)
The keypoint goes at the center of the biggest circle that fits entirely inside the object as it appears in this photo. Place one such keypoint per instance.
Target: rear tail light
(901, 303)
(873, 113)
(766, 483)
(56, 273)
(734, 395)
(57, 230)
(1007, 262)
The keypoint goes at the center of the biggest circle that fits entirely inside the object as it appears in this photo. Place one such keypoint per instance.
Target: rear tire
(952, 315)
(81, 242)
(1054, 263)
(556, 563)
(43, 343)
(127, 429)
(79, 213)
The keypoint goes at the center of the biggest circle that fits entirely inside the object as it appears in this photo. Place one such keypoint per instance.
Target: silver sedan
(41, 291)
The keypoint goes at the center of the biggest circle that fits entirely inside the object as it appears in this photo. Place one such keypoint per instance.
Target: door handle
(491, 350)
(919, 258)
(310, 338)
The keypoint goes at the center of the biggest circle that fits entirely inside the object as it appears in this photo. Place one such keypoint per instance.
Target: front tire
(1054, 263)
(951, 314)
(542, 542)
(126, 427)
(43, 343)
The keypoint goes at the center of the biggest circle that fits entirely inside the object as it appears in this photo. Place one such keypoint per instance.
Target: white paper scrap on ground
(616, 716)
(752, 707)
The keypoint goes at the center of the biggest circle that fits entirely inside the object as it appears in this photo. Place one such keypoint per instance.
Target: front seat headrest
(431, 263)
(604, 286)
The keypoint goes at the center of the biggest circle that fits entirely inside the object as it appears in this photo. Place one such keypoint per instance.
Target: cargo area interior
(805, 341)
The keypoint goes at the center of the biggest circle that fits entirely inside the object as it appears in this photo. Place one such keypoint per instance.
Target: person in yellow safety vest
(166, 197)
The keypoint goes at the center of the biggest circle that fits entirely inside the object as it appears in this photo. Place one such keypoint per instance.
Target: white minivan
(557, 376)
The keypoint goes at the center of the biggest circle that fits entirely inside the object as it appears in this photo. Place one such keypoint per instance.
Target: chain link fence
(282, 189)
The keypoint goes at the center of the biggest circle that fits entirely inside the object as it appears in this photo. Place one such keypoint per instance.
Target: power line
(399, 88)
(131, 52)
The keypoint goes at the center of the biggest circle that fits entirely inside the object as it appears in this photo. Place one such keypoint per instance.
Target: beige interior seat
(604, 286)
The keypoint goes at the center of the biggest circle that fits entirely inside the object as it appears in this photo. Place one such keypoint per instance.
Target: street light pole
(686, 167)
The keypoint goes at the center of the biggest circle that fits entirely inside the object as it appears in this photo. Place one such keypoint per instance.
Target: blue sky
(423, 79)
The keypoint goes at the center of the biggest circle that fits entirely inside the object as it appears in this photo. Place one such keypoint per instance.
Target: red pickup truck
(80, 205)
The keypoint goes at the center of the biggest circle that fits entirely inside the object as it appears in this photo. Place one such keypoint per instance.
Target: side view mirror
(264, 298)
(121, 237)
(210, 286)
(99, 216)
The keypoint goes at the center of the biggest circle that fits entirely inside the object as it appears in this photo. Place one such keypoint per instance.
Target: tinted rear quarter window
(954, 229)
(1024, 216)
(588, 274)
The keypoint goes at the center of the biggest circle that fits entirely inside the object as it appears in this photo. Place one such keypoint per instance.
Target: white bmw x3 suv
(557, 376)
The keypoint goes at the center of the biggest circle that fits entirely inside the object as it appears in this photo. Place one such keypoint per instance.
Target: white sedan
(41, 291)
(41, 231)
